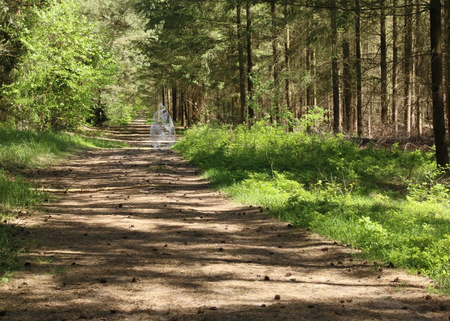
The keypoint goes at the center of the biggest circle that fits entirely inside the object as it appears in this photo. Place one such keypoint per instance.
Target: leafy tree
(123, 28)
(14, 17)
(65, 67)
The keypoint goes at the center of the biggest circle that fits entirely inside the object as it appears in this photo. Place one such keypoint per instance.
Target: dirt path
(172, 249)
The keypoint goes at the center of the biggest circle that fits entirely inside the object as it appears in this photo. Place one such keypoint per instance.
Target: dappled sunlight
(176, 249)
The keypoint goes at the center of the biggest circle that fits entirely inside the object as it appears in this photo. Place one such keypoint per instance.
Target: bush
(393, 205)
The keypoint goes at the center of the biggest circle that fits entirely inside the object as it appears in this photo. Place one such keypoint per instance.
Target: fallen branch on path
(89, 190)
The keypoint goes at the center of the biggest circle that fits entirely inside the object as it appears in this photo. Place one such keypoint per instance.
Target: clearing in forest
(136, 234)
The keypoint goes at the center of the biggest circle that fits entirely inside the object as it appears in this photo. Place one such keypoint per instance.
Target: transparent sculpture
(162, 130)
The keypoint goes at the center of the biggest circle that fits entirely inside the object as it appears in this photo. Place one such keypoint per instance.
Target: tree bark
(394, 66)
(251, 112)
(442, 157)
(346, 72)
(447, 62)
(287, 61)
(407, 67)
(383, 65)
(309, 89)
(359, 122)
(347, 83)
(334, 67)
(418, 74)
(242, 93)
(274, 31)
(174, 104)
(183, 107)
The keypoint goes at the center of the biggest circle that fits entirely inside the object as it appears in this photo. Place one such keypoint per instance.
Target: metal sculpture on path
(162, 129)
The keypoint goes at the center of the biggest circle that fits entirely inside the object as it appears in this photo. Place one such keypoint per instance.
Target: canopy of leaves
(66, 64)
(123, 28)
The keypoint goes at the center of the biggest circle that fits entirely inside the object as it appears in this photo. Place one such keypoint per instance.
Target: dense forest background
(377, 68)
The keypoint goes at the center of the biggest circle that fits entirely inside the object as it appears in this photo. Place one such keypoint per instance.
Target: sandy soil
(147, 239)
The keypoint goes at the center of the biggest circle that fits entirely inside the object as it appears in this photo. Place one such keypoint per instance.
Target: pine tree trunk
(383, 65)
(188, 107)
(183, 107)
(447, 62)
(442, 158)
(276, 99)
(394, 66)
(346, 72)
(359, 123)
(309, 90)
(407, 67)
(347, 83)
(242, 93)
(334, 68)
(163, 95)
(251, 112)
(287, 61)
(418, 61)
(174, 104)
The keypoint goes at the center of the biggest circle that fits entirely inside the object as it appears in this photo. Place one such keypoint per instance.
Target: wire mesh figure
(162, 130)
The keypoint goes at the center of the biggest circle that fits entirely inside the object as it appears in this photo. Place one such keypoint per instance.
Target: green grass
(21, 151)
(16, 193)
(394, 205)
(29, 149)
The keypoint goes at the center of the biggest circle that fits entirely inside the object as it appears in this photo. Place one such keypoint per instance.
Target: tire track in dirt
(173, 249)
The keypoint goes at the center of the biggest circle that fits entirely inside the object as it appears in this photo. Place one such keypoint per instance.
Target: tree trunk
(183, 107)
(347, 83)
(188, 107)
(309, 89)
(346, 72)
(383, 65)
(394, 66)
(447, 63)
(242, 93)
(276, 98)
(163, 95)
(442, 158)
(174, 104)
(418, 74)
(407, 67)
(359, 118)
(251, 112)
(334, 67)
(287, 61)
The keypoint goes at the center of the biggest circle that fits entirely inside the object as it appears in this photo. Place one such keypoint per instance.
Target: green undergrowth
(392, 204)
(29, 149)
(21, 151)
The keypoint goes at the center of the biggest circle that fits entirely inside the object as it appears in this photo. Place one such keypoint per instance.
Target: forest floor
(145, 238)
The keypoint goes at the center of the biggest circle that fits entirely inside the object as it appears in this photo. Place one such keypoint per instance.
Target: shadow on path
(173, 249)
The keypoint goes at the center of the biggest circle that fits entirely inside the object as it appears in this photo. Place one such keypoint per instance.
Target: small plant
(432, 187)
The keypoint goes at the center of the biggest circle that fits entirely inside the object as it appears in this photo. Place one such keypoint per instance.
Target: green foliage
(59, 79)
(20, 149)
(14, 18)
(14, 192)
(124, 28)
(433, 187)
(393, 205)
